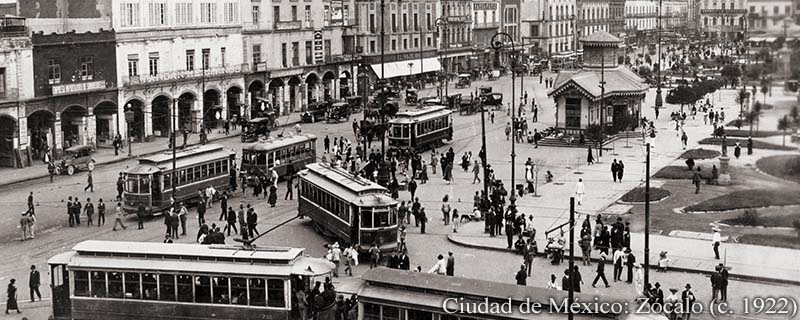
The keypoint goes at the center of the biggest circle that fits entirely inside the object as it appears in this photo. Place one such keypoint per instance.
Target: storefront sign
(78, 87)
(484, 6)
(319, 54)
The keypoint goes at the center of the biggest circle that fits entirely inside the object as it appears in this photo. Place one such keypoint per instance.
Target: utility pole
(602, 97)
(483, 157)
(383, 80)
(174, 137)
(364, 101)
(571, 254)
(647, 218)
(659, 100)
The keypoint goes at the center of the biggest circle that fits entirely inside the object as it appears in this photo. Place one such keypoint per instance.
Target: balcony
(13, 27)
(288, 25)
(486, 25)
(183, 75)
(458, 19)
(339, 23)
(719, 12)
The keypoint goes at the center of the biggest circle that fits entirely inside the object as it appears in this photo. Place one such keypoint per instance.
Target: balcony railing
(288, 25)
(458, 19)
(487, 25)
(723, 11)
(340, 22)
(183, 75)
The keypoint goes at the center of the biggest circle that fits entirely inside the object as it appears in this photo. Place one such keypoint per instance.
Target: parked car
(76, 158)
(315, 111)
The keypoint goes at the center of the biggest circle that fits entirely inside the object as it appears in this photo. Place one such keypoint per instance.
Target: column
(90, 125)
(284, 98)
(148, 120)
(225, 106)
(197, 112)
(59, 135)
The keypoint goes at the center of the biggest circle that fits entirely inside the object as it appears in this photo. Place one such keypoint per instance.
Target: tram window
(204, 171)
(132, 184)
(98, 284)
(132, 286)
(150, 286)
(225, 166)
(202, 289)
(258, 294)
(166, 283)
(144, 184)
(185, 288)
(391, 313)
(366, 218)
(419, 315)
(270, 159)
(275, 294)
(115, 285)
(81, 283)
(182, 177)
(372, 311)
(216, 168)
(261, 159)
(221, 294)
(239, 291)
(167, 180)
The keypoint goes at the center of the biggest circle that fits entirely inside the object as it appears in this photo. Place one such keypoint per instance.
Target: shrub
(748, 217)
(700, 154)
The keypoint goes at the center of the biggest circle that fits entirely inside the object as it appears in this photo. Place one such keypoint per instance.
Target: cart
(464, 80)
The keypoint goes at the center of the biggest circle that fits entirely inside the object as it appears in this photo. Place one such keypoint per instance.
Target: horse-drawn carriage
(468, 106)
(338, 112)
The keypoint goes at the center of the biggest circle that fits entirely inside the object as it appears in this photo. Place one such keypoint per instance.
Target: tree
(794, 113)
(752, 116)
(645, 72)
(731, 73)
(682, 95)
(741, 98)
(764, 90)
(783, 125)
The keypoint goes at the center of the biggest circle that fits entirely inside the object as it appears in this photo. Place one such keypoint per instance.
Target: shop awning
(407, 67)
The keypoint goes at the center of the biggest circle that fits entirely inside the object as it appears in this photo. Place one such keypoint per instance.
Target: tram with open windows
(151, 181)
(421, 129)
(349, 208)
(286, 155)
(142, 280)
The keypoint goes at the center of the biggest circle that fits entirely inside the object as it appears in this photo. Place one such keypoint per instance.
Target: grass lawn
(743, 142)
(680, 172)
(767, 218)
(637, 195)
(742, 199)
(773, 240)
(699, 154)
(745, 132)
(783, 166)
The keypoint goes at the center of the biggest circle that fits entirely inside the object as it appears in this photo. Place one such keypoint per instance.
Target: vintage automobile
(467, 106)
(355, 103)
(337, 112)
(411, 96)
(493, 99)
(76, 158)
(484, 90)
(315, 111)
(256, 127)
(464, 80)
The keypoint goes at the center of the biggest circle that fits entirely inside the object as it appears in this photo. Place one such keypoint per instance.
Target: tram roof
(465, 287)
(160, 158)
(346, 185)
(279, 142)
(274, 255)
(410, 116)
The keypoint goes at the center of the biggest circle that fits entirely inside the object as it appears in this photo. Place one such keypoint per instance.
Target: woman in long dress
(11, 303)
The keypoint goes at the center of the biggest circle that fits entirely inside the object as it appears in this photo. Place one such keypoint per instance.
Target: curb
(118, 160)
(652, 267)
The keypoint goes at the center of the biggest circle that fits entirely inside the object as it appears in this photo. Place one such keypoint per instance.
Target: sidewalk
(746, 262)
(105, 156)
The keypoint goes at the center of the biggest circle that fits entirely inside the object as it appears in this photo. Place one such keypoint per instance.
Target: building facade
(294, 52)
(457, 45)
(595, 16)
(675, 14)
(641, 16)
(771, 17)
(616, 18)
(723, 19)
(485, 24)
(16, 87)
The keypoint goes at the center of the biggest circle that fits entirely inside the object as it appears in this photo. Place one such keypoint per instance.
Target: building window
(3, 90)
(53, 71)
(372, 46)
(307, 14)
(327, 50)
(394, 44)
(284, 61)
(428, 21)
(222, 56)
(208, 12)
(206, 58)
(372, 23)
(189, 60)
(183, 13)
(133, 66)
(394, 22)
(87, 68)
(256, 54)
(231, 12)
(295, 54)
(256, 13)
(158, 14)
(775, 10)
(130, 14)
(416, 42)
(153, 63)
(405, 22)
(326, 13)
(294, 13)
(416, 22)
(428, 41)
(309, 52)
(573, 112)
(405, 44)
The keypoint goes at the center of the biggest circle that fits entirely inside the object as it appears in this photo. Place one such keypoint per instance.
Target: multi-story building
(595, 15)
(616, 18)
(293, 52)
(548, 26)
(674, 14)
(641, 18)
(16, 86)
(456, 46)
(771, 17)
(485, 23)
(411, 36)
(511, 18)
(722, 19)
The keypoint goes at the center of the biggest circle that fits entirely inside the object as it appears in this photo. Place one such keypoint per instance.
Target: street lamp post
(659, 100)
(129, 118)
(497, 45)
(442, 23)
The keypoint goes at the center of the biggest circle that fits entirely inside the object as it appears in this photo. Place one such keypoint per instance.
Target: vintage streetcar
(286, 154)
(421, 129)
(348, 208)
(150, 182)
(142, 280)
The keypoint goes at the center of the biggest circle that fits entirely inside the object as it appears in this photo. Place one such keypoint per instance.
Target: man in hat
(687, 298)
(618, 258)
(336, 257)
(672, 304)
(723, 284)
(33, 283)
(601, 270)
(522, 276)
(716, 238)
(716, 282)
(630, 262)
